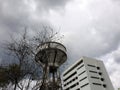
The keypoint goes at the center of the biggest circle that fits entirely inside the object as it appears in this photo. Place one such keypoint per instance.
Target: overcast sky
(90, 27)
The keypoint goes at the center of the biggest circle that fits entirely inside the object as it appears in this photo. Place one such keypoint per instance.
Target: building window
(97, 84)
(70, 81)
(74, 85)
(81, 73)
(73, 67)
(92, 71)
(98, 68)
(100, 73)
(104, 85)
(70, 76)
(95, 77)
(80, 67)
(83, 79)
(84, 85)
(91, 65)
(102, 79)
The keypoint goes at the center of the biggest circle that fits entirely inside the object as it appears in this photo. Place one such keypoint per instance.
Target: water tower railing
(51, 45)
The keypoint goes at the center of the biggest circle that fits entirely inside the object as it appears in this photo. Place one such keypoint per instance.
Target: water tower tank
(51, 55)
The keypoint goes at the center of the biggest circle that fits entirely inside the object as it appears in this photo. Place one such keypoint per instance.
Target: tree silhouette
(23, 49)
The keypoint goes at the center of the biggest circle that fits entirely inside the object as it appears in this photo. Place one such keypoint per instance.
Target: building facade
(86, 74)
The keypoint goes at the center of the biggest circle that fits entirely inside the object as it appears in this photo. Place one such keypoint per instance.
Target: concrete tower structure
(86, 74)
(51, 55)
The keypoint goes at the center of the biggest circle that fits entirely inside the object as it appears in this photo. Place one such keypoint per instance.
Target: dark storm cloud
(17, 13)
(12, 15)
(50, 4)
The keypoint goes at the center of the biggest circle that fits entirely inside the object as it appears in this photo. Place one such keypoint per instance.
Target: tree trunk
(15, 86)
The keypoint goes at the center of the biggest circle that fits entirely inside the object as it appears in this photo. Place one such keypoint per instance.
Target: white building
(86, 74)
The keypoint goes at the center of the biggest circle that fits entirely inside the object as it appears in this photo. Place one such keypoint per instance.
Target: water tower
(51, 55)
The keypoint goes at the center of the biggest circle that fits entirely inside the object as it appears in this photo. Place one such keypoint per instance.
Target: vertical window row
(99, 75)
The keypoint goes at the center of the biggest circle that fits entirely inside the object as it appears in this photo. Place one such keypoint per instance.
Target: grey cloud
(116, 1)
(117, 59)
(86, 44)
(97, 36)
(15, 14)
(91, 28)
(11, 17)
(116, 56)
(51, 4)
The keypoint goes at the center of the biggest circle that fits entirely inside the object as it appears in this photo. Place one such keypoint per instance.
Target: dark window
(84, 85)
(100, 73)
(70, 76)
(80, 67)
(97, 84)
(71, 81)
(102, 79)
(95, 77)
(104, 85)
(91, 65)
(92, 71)
(64, 85)
(74, 85)
(73, 67)
(81, 73)
(83, 79)
(98, 68)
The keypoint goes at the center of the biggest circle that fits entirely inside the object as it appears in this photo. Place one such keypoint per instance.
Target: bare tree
(3, 78)
(23, 49)
(20, 50)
